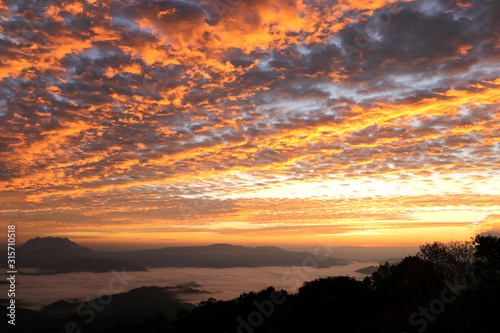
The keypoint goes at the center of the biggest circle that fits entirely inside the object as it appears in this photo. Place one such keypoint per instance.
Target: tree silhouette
(453, 260)
(487, 257)
(393, 299)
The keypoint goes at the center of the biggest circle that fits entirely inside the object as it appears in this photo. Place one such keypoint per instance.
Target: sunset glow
(256, 122)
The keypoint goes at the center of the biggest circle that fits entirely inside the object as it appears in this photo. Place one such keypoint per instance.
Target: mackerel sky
(250, 121)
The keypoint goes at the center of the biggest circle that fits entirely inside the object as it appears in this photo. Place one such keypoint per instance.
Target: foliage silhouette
(466, 274)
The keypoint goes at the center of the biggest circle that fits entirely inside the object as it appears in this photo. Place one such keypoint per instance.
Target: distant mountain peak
(61, 254)
(49, 242)
(53, 243)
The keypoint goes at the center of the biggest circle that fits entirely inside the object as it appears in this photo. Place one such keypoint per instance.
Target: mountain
(105, 312)
(367, 270)
(53, 255)
(360, 253)
(45, 251)
(61, 255)
(221, 256)
(88, 264)
(137, 303)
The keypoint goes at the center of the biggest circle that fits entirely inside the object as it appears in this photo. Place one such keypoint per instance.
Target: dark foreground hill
(444, 288)
(125, 309)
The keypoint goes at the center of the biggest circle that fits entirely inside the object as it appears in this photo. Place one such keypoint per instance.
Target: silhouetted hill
(137, 303)
(60, 309)
(367, 270)
(220, 256)
(88, 264)
(360, 253)
(46, 243)
(40, 252)
(53, 255)
(133, 307)
(60, 255)
(418, 294)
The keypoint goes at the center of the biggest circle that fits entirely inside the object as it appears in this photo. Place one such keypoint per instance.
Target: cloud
(129, 102)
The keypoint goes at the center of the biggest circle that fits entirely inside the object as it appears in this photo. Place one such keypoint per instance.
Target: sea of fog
(34, 291)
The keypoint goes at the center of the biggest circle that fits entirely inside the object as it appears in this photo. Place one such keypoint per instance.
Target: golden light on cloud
(275, 121)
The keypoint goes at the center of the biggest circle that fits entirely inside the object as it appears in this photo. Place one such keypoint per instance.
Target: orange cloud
(126, 113)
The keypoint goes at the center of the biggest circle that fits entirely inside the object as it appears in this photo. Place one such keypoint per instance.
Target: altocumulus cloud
(120, 112)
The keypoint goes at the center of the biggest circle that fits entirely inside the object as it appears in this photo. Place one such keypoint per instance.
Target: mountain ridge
(52, 254)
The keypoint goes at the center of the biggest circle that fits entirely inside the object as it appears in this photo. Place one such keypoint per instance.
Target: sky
(254, 122)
